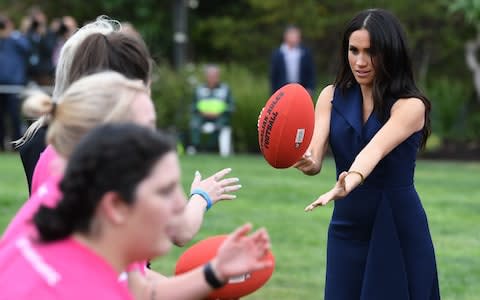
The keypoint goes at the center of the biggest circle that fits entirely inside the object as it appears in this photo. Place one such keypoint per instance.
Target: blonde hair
(103, 25)
(100, 98)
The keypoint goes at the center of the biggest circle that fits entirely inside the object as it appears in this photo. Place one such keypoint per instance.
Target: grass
(275, 199)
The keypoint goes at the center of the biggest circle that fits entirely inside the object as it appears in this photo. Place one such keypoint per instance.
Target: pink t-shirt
(45, 167)
(64, 269)
(47, 194)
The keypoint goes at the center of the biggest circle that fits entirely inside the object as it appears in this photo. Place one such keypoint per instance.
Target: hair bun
(52, 224)
(37, 104)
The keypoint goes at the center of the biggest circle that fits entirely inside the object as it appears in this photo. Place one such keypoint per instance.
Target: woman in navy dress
(375, 120)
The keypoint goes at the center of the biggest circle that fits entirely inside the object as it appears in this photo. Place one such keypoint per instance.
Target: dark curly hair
(112, 157)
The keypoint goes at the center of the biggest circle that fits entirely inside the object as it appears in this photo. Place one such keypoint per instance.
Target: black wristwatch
(211, 278)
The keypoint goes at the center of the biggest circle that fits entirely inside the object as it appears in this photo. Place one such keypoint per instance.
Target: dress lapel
(348, 105)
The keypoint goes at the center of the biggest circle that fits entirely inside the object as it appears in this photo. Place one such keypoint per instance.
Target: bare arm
(218, 188)
(191, 285)
(311, 162)
(192, 220)
(239, 254)
(407, 117)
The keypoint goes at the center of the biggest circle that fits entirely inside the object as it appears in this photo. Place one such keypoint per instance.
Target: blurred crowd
(29, 52)
(28, 55)
(35, 46)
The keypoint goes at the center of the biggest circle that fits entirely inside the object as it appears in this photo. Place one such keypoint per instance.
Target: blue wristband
(204, 195)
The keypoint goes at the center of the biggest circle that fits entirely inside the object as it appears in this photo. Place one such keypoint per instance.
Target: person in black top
(134, 63)
(30, 153)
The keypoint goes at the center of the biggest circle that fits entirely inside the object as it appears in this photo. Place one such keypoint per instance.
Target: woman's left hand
(241, 253)
(216, 186)
(337, 192)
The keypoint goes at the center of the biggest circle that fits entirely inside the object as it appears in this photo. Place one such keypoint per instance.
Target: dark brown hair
(393, 68)
(116, 51)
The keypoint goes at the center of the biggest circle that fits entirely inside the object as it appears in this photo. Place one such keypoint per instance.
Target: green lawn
(275, 199)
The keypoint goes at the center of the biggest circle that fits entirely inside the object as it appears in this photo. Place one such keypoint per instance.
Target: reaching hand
(307, 164)
(337, 192)
(216, 186)
(240, 254)
(138, 285)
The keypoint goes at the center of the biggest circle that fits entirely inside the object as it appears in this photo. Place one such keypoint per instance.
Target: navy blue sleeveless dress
(379, 244)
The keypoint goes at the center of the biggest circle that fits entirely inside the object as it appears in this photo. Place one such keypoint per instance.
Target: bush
(472, 120)
(449, 99)
(172, 94)
(251, 92)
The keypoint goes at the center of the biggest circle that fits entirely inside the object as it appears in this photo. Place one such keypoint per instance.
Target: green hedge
(455, 111)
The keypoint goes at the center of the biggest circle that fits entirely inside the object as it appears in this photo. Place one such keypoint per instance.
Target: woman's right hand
(241, 253)
(238, 255)
(308, 164)
(217, 186)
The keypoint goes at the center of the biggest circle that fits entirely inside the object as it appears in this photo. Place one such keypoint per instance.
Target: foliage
(257, 26)
(251, 91)
(246, 31)
(470, 8)
(173, 93)
(242, 34)
(449, 99)
(152, 18)
(472, 122)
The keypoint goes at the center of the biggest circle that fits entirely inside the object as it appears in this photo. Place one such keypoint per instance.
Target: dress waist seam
(385, 188)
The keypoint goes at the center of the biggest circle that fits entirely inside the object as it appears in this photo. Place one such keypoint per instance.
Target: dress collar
(348, 104)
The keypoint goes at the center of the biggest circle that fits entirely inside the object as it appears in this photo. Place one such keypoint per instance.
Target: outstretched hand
(337, 192)
(307, 164)
(241, 253)
(216, 186)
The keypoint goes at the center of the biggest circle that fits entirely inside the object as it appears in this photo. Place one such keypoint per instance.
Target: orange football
(285, 125)
(203, 251)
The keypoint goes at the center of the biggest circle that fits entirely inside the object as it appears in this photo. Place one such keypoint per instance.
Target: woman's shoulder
(326, 95)
(413, 105)
(343, 94)
(409, 112)
(329, 89)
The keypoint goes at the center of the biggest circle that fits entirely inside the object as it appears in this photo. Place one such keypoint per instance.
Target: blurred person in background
(63, 28)
(42, 40)
(128, 63)
(212, 108)
(14, 51)
(292, 62)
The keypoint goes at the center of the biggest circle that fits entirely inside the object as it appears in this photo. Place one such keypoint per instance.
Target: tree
(471, 10)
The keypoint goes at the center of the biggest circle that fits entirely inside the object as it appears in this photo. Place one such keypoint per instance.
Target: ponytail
(73, 213)
(51, 224)
(37, 105)
(103, 25)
